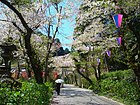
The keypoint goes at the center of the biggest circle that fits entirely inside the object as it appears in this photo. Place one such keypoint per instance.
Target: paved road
(71, 95)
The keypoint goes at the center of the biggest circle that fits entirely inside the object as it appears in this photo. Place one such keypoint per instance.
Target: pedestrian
(58, 88)
(58, 85)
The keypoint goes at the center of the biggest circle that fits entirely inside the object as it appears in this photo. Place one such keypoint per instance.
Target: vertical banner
(108, 53)
(98, 60)
(119, 40)
(118, 20)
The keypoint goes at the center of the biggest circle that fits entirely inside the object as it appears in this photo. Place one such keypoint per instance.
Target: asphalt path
(71, 95)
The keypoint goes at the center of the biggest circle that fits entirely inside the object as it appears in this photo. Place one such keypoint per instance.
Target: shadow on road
(71, 95)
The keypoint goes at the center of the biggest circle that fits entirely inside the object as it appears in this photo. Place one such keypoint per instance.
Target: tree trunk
(26, 59)
(78, 67)
(99, 71)
(47, 72)
(138, 63)
(75, 78)
(34, 61)
(87, 78)
(106, 63)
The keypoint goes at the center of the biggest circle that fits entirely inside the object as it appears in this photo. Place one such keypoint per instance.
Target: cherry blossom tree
(28, 16)
(92, 36)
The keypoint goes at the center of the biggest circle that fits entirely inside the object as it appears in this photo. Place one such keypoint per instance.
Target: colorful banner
(98, 60)
(118, 20)
(108, 53)
(119, 40)
(82, 70)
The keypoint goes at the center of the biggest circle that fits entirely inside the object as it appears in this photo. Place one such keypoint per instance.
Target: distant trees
(59, 51)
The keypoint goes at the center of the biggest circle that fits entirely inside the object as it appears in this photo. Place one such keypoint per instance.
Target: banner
(98, 60)
(119, 40)
(118, 20)
(108, 53)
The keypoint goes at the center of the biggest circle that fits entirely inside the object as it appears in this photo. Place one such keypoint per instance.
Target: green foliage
(95, 87)
(121, 85)
(118, 59)
(85, 83)
(30, 94)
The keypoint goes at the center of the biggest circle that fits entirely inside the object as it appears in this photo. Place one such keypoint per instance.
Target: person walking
(58, 85)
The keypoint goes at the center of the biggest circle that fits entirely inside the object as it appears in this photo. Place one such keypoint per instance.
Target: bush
(121, 85)
(30, 94)
(95, 86)
(85, 83)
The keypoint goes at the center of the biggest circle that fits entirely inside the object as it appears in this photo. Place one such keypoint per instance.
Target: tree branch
(17, 13)
(5, 20)
(19, 29)
(36, 26)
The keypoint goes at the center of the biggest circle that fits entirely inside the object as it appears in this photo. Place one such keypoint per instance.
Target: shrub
(121, 85)
(95, 86)
(85, 83)
(31, 93)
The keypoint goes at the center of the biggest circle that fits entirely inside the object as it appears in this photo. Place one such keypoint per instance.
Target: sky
(68, 25)
(67, 33)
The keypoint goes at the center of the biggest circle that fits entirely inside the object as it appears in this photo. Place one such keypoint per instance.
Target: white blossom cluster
(90, 27)
(63, 61)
